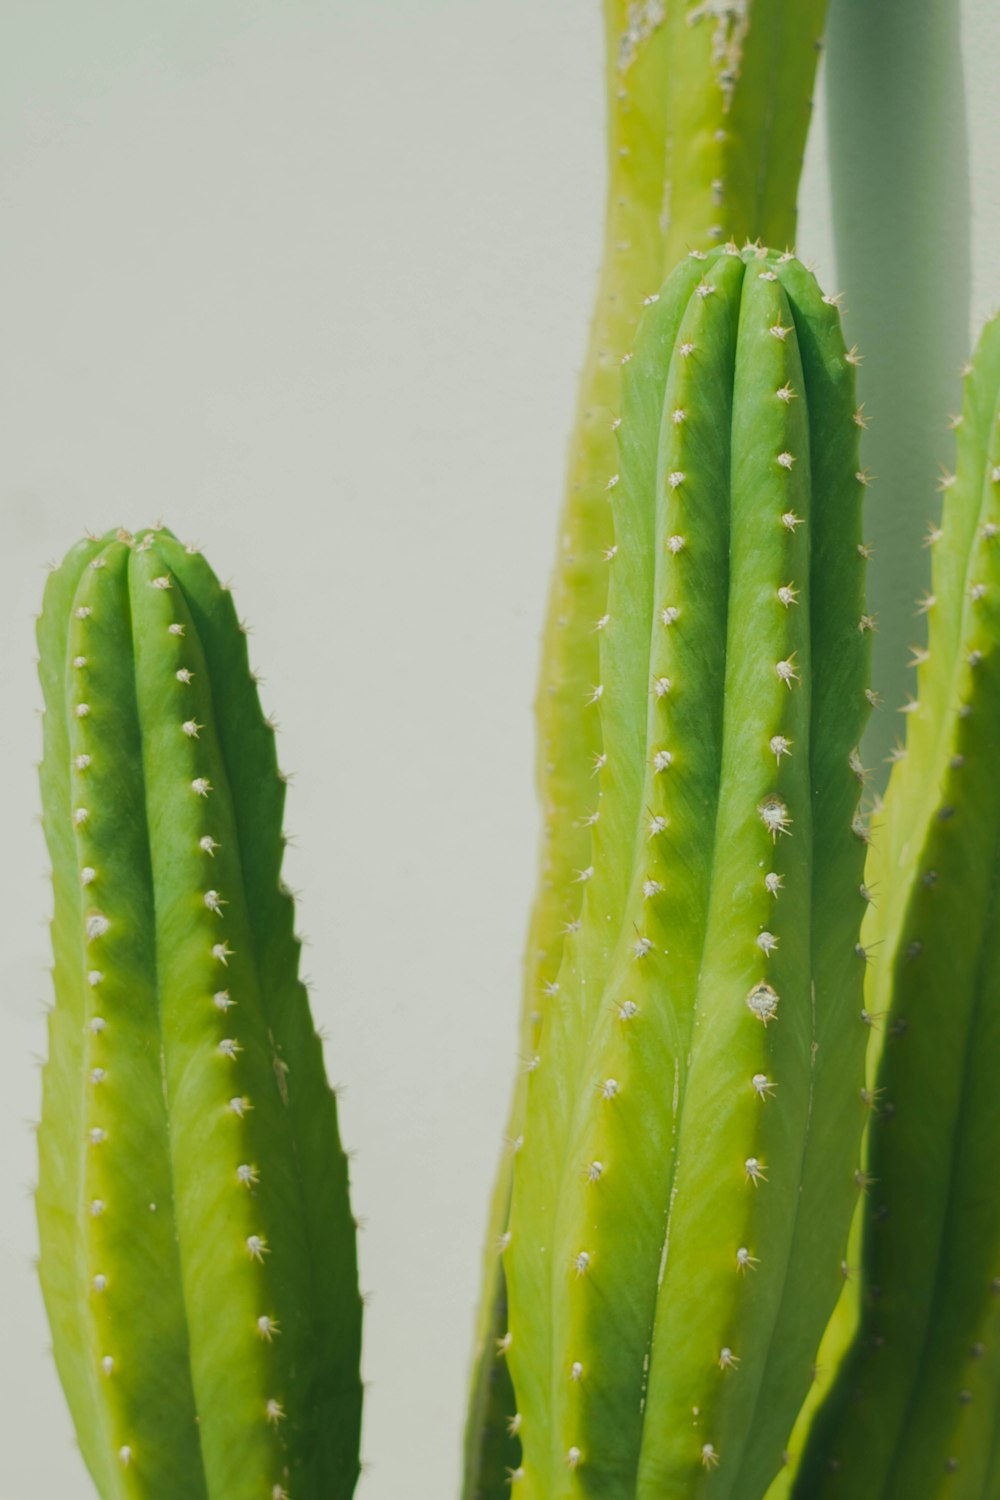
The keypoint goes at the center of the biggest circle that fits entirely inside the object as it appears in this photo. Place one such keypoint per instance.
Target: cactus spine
(664, 1201)
(197, 1248)
(707, 117)
(913, 1410)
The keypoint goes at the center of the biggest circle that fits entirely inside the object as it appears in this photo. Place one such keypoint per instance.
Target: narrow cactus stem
(731, 172)
(914, 1404)
(661, 1191)
(197, 1248)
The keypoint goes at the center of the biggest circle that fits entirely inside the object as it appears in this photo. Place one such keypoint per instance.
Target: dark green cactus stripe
(656, 1191)
(731, 172)
(916, 1397)
(739, 104)
(206, 1188)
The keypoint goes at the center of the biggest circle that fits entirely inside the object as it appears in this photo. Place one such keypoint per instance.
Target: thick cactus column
(703, 146)
(914, 1408)
(694, 1115)
(197, 1247)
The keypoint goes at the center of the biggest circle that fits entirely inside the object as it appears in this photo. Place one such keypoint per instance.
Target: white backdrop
(309, 279)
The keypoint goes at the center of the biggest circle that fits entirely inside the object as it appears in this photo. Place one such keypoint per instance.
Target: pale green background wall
(310, 280)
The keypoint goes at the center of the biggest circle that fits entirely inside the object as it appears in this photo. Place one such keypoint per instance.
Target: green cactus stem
(706, 125)
(197, 1247)
(913, 1410)
(686, 1176)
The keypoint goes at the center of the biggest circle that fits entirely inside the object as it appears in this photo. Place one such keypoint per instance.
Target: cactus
(197, 1249)
(707, 119)
(686, 1176)
(912, 1412)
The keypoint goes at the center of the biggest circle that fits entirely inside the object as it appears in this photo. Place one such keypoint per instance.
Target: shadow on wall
(898, 152)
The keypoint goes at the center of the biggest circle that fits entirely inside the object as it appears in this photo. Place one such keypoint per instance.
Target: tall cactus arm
(746, 130)
(918, 1390)
(197, 1245)
(656, 1191)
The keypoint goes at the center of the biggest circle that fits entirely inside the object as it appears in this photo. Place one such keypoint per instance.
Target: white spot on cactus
(676, 479)
(279, 1492)
(978, 591)
(762, 1085)
(514, 1476)
(745, 1261)
(96, 1025)
(675, 544)
(576, 1370)
(201, 786)
(97, 1075)
(79, 661)
(581, 1262)
(600, 761)
(609, 553)
(778, 331)
(503, 1343)
(100, 1283)
(96, 1136)
(572, 1457)
(709, 1457)
(257, 1247)
(595, 1171)
(602, 622)
(83, 612)
(176, 629)
(207, 843)
(239, 1106)
(763, 1002)
(503, 1241)
(989, 530)
(651, 299)
(788, 594)
(221, 1000)
(790, 520)
(96, 925)
(81, 762)
(596, 694)
(267, 1327)
(786, 670)
(678, 415)
(755, 1170)
(727, 1359)
(608, 1089)
(626, 1011)
(613, 481)
(779, 746)
(686, 349)
(98, 562)
(785, 393)
(248, 1175)
(775, 816)
(773, 882)
(641, 947)
(786, 460)
(214, 901)
(661, 686)
(657, 825)
(163, 582)
(766, 942)
(669, 615)
(651, 888)
(852, 356)
(222, 952)
(190, 728)
(107, 1365)
(661, 760)
(584, 875)
(275, 1412)
(125, 1455)
(80, 816)
(94, 977)
(230, 1047)
(867, 624)
(705, 288)
(97, 1206)
(184, 675)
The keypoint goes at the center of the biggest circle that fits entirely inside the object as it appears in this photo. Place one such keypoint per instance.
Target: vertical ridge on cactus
(913, 1407)
(706, 125)
(685, 1132)
(197, 1248)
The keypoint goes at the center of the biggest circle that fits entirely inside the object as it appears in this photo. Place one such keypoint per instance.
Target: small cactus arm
(687, 1173)
(913, 1409)
(197, 1248)
(734, 102)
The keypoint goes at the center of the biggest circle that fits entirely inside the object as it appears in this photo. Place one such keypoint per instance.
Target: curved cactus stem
(912, 1408)
(198, 1259)
(731, 171)
(726, 873)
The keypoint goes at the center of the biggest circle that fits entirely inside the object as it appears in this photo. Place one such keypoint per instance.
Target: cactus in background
(913, 1410)
(197, 1247)
(707, 118)
(687, 1172)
